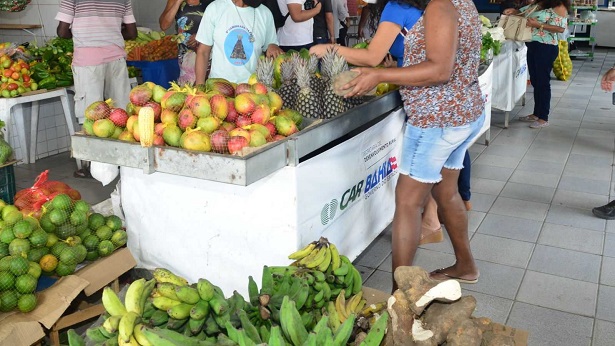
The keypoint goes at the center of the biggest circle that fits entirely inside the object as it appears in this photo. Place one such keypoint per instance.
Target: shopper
(395, 16)
(297, 32)
(234, 33)
(186, 14)
(323, 24)
(442, 98)
(547, 18)
(607, 211)
(342, 20)
(99, 60)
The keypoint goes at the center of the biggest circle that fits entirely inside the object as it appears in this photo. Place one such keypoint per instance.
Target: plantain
(340, 306)
(140, 336)
(195, 326)
(180, 311)
(297, 255)
(111, 324)
(316, 261)
(376, 333)
(165, 337)
(319, 276)
(334, 319)
(344, 331)
(158, 318)
(112, 303)
(165, 275)
(211, 327)
(275, 337)
(264, 332)
(200, 310)
(300, 298)
(248, 327)
(187, 294)
(313, 256)
(132, 300)
(148, 310)
(326, 262)
(106, 334)
(357, 283)
(223, 340)
(291, 322)
(218, 304)
(164, 303)
(95, 335)
(307, 319)
(243, 339)
(252, 291)
(342, 270)
(267, 282)
(149, 287)
(176, 325)
(360, 307)
(206, 289)
(352, 304)
(127, 325)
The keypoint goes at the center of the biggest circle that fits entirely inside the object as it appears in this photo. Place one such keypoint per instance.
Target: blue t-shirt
(405, 16)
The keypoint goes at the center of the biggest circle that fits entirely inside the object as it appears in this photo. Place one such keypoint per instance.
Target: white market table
(510, 76)
(12, 108)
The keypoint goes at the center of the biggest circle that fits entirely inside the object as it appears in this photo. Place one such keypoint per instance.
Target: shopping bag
(515, 26)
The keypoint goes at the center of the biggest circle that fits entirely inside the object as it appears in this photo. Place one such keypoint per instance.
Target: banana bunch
(143, 37)
(129, 45)
(123, 317)
(340, 310)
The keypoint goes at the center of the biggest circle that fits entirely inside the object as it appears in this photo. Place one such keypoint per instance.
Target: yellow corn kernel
(146, 126)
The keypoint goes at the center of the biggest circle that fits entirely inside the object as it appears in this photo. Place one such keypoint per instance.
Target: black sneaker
(606, 212)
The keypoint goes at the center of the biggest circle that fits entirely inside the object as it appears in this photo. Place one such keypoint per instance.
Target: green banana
(127, 325)
(106, 334)
(348, 292)
(322, 331)
(275, 337)
(176, 325)
(232, 332)
(376, 333)
(111, 324)
(75, 339)
(133, 296)
(336, 261)
(238, 301)
(292, 325)
(252, 291)
(311, 340)
(322, 324)
(167, 289)
(264, 332)
(211, 327)
(165, 337)
(319, 276)
(357, 282)
(158, 318)
(164, 303)
(206, 289)
(222, 319)
(196, 326)
(187, 294)
(319, 296)
(267, 282)
(218, 304)
(148, 310)
(112, 342)
(243, 339)
(140, 336)
(147, 291)
(155, 35)
(165, 275)
(180, 311)
(95, 335)
(326, 291)
(307, 319)
(112, 303)
(249, 328)
(224, 340)
(199, 310)
(343, 333)
(342, 270)
(301, 296)
(334, 320)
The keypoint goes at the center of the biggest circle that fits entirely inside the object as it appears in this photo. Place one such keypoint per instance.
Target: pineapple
(333, 64)
(308, 103)
(289, 89)
(317, 83)
(264, 72)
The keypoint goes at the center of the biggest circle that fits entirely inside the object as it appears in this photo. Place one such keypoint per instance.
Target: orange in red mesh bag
(30, 201)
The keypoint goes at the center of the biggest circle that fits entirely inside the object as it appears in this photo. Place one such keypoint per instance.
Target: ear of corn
(146, 126)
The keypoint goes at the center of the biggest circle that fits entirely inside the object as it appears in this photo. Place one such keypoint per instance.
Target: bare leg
(455, 220)
(431, 229)
(410, 198)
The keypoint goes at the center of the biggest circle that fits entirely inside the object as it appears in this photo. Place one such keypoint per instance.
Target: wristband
(542, 27)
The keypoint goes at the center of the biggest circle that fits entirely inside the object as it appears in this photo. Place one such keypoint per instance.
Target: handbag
(515, 26)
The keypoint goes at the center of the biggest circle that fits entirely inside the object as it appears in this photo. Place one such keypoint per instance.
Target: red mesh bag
(32, 199)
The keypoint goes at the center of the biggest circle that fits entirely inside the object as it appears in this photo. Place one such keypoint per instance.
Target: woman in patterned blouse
(443, 102)
(547, 18)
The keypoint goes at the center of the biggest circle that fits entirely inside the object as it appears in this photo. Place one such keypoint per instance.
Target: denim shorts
(425, 151)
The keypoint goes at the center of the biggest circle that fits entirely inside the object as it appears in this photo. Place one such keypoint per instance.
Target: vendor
(234, 33)
(186, 14)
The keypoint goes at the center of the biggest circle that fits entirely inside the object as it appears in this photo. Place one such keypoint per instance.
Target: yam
(421, 289)
(401, 319)
(465, 333)
(441, 317)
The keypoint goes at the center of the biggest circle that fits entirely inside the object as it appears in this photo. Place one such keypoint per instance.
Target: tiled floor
(547, 264)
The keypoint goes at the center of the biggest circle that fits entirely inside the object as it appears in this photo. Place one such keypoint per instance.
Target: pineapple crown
(333, 64)
(313, 64)
(302, 72)
(264, 71)
(287, 70)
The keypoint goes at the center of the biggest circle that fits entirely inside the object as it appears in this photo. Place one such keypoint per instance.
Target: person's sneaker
(537, 124)
(606, 212)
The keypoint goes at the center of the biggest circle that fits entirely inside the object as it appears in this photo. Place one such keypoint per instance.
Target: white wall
(52, 131)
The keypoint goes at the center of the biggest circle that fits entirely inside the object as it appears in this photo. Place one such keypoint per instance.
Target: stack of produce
(493, 37)
(5, 149)
(52, 66)
(14, 71)
(218, 116)
(30, 200)
(168, 311)
(152, 46)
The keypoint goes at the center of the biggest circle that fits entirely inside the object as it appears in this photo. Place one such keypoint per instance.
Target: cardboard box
(520, 336)
(25, 329)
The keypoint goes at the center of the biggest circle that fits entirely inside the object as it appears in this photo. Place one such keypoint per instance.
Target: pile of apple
(14, 72)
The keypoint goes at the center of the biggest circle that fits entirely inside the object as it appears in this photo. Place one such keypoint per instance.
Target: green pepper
(63, 77)
(64, 83)
(39, 75)
(47, 83)
(47, 55)
(64, 60)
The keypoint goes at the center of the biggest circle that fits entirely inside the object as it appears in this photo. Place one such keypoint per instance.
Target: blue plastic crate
(7, 184)
(160, 72)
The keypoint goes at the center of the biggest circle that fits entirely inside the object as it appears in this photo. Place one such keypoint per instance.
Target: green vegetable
(48, 83)
(489, 43)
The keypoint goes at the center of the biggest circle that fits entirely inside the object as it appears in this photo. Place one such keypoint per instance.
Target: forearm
(552, 28)
(167, 18)
(330, 26)
(424, 74)
(361, 57)
(304, 15)
(201, 64)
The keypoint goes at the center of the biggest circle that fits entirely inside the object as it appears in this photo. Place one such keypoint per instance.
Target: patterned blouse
(459, 101)
(188, 18)
(547, 16)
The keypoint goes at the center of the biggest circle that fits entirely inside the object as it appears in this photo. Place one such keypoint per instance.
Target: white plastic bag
(104, 172)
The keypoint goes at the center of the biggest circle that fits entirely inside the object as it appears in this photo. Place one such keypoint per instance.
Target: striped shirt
(96, 28)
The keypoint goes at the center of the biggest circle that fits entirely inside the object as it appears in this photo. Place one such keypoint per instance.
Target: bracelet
(542, 27)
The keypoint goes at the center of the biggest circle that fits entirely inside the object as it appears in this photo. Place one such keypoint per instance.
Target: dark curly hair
(543, 4)
(375, 10)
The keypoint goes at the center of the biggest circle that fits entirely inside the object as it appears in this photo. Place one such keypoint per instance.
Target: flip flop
(464, 281)
(82, 173)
